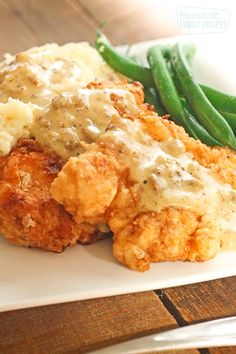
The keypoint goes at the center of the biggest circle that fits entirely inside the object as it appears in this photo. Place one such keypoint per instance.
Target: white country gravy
(63, 115)
(39, 74)
(72, 118)
(31, 79)
(169, 176)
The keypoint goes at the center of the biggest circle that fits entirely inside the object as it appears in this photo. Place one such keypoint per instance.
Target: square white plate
(30, 277)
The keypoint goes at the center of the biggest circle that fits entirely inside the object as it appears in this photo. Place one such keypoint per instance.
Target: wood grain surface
(81, 326)
(27, 23)
(204, 301)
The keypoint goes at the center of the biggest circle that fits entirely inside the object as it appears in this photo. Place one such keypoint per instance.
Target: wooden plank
(14, 34)
(203, 301)
(223, 350)
(83, 325)
(27, 23)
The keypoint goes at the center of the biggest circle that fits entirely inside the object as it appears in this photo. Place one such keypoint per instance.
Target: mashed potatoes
(39, 74)
(30, 80)
(16, 119)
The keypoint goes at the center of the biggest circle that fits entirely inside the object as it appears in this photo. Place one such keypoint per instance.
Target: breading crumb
(25, 180)
(27, 221)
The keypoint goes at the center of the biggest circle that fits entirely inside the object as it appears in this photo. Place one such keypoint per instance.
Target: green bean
(230, 118)
(133, 69)
(170, 99)
(208, 116)
(169, 95)
(165, 85)
(196, 130)
(201, 133)
(189, 49)
(121, 63)
(217, 98)
(152, 98)
(221, 101)
(125, 65)
(224, 103)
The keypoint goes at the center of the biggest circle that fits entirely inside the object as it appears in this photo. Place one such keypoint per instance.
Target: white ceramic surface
(31, 277)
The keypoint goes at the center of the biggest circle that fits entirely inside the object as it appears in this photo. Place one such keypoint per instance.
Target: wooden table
(85, 325)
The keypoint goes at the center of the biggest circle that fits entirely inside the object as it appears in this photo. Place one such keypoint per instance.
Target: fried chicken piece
(98, 187)
(29, 216)
(139, 238)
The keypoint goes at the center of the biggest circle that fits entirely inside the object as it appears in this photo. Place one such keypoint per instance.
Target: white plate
(31, 277)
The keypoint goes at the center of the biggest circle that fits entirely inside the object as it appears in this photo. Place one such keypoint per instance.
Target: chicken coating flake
(99, 187)
(29, 215)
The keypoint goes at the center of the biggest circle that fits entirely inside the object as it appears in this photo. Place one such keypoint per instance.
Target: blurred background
(27, 23)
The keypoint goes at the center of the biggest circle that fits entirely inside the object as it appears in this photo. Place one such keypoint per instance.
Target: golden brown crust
(221, 161)
(141, 238)
(135, 88)
(29, 215)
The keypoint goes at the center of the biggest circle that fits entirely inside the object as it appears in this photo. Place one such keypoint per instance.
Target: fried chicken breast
(29, 215)
(164, 195)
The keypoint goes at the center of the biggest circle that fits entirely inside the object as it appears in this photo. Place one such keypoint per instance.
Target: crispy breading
(135, 88)
(29, 216)
(139, 238)
(95, 187)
